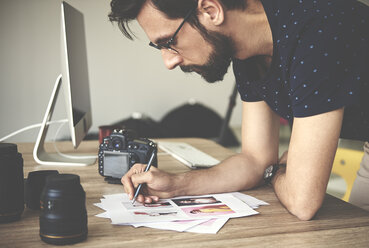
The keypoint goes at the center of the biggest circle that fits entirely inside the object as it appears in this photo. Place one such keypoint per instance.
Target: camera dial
(134, 159)
(117, 143)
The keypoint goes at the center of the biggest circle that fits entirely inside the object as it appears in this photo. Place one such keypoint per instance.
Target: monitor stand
(39, 153)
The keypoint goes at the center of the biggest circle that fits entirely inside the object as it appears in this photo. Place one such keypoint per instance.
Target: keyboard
(188, 155)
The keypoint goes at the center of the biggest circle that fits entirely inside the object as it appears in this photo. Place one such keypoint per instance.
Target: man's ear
(211, 12)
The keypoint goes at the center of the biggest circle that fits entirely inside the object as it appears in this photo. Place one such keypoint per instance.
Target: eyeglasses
(169, 43)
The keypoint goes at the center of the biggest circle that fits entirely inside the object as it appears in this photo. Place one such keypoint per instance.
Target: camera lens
(34, 186)
(117, 143)
(63, 218)
(11, 183)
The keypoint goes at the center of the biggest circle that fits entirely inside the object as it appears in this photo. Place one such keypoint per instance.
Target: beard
(219, 60)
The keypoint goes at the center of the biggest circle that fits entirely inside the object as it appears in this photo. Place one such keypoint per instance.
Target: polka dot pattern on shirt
(320, 62)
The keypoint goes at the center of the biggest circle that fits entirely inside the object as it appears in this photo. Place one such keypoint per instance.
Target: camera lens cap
(62, 180)
(7, 148)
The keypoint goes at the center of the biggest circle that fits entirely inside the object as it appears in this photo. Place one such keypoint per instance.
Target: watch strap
(270, 172)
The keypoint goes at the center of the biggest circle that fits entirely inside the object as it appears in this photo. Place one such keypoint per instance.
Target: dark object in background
(120, 151)
(143, 126)
(63, 217)
(196, 120)
(34, 185)
(11, 183)
(188, 120)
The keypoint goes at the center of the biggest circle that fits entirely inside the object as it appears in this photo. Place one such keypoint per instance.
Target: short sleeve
(326, 67)
(244, 74)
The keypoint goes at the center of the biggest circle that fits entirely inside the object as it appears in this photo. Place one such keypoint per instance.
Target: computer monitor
(74, 79)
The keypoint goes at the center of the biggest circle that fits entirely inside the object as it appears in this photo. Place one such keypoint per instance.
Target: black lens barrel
(63, 218)
(11, 183)
(34, 185)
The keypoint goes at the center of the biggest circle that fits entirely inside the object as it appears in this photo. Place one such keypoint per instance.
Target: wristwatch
(271, 171)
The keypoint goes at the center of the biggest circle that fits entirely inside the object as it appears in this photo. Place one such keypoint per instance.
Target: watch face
(268, 172)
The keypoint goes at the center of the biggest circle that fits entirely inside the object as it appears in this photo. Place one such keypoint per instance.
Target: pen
(147, 168)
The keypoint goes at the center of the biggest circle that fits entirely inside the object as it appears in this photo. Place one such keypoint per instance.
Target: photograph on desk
(195, 201)
(155, 213)
(154, 205)
(208, 210)
(208, 213)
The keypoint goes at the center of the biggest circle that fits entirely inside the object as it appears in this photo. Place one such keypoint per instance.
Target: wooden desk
(337, 224)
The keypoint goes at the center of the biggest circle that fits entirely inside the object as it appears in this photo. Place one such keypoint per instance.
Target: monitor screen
(75, 78)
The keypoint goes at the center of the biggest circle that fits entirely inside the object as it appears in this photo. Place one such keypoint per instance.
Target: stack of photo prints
(199, 214)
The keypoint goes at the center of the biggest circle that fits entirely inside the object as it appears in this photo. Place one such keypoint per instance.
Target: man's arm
(302, 185)
(260, 134)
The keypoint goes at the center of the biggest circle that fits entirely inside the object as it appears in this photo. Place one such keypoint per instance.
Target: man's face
(218, 60)
(206, 53)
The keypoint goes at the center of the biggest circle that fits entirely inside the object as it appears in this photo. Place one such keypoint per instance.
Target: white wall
(125, 76)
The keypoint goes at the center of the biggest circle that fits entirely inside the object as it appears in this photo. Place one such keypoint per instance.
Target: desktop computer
(75, 82)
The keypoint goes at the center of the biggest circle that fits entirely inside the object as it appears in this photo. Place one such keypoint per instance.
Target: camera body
(119, 152)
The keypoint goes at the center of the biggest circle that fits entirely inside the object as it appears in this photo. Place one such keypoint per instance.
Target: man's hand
(157, 184)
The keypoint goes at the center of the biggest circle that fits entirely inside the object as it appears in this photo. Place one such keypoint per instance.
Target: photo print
(208, 210)
(195, 201)
(154, 205)
(154, 213)
(179, 213)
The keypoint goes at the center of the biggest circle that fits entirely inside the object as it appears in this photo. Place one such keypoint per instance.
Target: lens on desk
(34, 186)
(63, 217)
(11, 183)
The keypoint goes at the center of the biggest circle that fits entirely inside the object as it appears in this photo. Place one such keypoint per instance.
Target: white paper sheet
(103, 215)
(100, 205)
(211, 226)
(199, 214)
(179, 226)
(250, 200)
(121, 210)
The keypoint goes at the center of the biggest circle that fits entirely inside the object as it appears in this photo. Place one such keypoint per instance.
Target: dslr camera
(119, 152)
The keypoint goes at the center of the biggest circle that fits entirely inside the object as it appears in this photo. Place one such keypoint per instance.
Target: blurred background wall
(125, 76)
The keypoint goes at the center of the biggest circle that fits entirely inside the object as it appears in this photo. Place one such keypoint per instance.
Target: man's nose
(171, 60)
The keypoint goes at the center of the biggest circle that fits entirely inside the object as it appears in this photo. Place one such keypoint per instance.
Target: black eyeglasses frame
(171, 40)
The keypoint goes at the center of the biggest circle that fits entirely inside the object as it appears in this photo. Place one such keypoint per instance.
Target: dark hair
(124, 11)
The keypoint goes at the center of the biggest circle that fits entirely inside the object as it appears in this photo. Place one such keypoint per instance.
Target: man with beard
(302, 60)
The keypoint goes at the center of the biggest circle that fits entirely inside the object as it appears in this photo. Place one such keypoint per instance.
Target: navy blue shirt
(320, 62)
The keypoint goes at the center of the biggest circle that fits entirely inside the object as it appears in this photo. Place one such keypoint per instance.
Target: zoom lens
(11, 183)
(63, 218)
